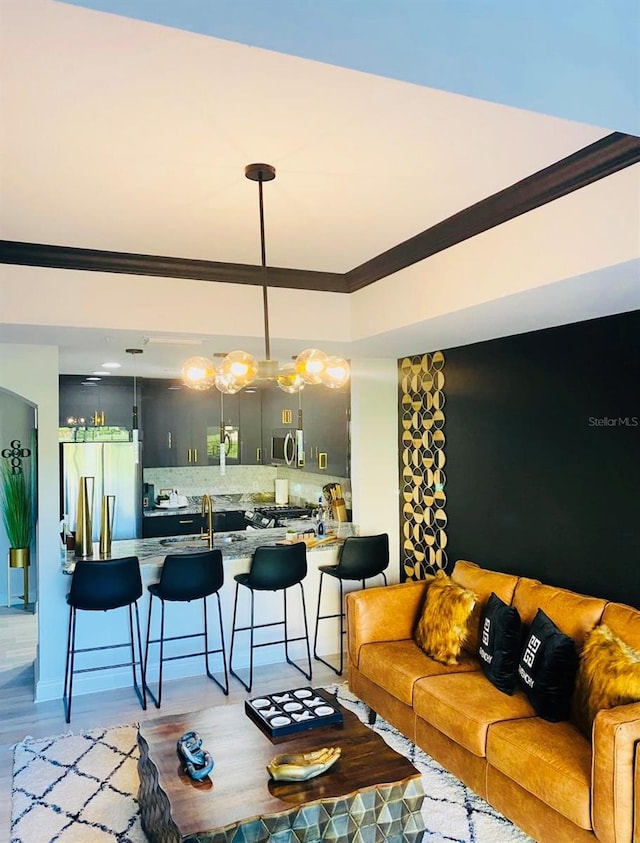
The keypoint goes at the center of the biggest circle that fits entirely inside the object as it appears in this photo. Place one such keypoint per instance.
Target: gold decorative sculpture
(299, 767)
(84, 523)
(106, 524)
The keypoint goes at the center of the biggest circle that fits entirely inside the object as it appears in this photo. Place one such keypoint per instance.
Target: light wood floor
(20, 716)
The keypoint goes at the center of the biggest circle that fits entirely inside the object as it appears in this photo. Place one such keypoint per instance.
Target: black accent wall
(543, 455)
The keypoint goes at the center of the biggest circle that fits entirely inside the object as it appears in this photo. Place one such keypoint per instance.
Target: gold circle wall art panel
(422, 381)
(440, 518)
(438, 419)
(437, 360)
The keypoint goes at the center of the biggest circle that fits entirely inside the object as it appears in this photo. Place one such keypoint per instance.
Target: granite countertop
(237, 544)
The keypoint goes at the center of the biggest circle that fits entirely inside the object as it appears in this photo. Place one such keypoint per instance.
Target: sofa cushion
(608, 675)
(500, 644)
(547, 669)
(442, 627)
(482, 583)
(575, 614)
(550, 760)
(464, 705)
(623, 621)
(396, 665)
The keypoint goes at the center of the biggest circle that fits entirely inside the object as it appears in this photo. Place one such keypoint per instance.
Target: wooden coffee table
(371, 786)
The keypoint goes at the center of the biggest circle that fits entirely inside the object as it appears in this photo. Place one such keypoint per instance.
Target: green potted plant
(15, 500)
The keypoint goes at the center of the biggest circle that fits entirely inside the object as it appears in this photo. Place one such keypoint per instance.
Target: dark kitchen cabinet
(250, 423)
(171, 525)
(175, 421)
(326, 415)
(108, 398)
(158, 420)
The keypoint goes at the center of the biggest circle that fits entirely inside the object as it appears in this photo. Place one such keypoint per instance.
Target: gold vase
(18, 557)
(106, 524)
(84, 521)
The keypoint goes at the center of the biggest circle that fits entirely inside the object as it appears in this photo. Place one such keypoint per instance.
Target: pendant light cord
(263, 255)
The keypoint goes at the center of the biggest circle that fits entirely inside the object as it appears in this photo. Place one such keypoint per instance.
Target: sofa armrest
(383, 614)
(616, 734)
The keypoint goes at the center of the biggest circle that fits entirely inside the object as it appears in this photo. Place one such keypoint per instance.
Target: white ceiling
(133, 137)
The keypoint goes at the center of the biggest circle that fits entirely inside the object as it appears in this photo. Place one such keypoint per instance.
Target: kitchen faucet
(207, 509)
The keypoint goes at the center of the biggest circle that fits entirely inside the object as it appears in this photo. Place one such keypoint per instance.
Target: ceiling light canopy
(239, 369)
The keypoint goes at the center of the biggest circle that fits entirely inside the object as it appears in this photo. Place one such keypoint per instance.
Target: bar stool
(361, 558)
(100, 587)
(186, 577)
(272, 569)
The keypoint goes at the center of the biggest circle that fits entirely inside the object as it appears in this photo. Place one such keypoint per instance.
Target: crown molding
(596, 161)
(589, 164)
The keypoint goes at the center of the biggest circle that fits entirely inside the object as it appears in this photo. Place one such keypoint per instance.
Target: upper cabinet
(326, 420)
(182, 427)
(98, 403)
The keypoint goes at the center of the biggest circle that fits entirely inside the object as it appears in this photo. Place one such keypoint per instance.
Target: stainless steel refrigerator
(116, 473)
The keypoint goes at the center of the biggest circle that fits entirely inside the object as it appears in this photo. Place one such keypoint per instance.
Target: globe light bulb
(240, 366)
(289, 380)
(199, 373)
(310, 365)
(227, 384)
(336, 372)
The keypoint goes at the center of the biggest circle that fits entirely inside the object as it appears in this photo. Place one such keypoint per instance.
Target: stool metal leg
(340, 615)
(306, 635)
(140, 688)
(319, 618)
(225, 687)
(68, 673)
(235, 629)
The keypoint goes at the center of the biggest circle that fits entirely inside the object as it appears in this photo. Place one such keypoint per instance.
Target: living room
(534, 487)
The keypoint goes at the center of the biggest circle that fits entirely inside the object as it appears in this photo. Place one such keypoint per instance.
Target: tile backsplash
(244, 480)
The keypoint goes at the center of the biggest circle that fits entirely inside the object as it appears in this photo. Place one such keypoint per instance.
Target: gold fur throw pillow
(442, 628)
(608, 675)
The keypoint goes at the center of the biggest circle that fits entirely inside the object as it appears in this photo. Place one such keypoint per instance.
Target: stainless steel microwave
(287, 447)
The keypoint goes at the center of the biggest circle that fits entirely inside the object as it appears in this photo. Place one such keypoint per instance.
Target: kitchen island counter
(235, 545)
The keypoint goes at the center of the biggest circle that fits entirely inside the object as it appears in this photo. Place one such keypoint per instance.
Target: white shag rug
(83, 788)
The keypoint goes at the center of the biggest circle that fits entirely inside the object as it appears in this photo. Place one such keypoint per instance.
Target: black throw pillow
(547, 669)
(500, 643)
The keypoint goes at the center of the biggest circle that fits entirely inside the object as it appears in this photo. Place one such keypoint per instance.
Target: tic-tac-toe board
(286, 712)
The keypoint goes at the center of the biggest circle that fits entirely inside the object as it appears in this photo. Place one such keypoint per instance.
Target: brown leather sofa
(546, 777)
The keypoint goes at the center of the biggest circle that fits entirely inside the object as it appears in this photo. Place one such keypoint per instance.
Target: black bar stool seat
(272, 569)
(186, 577)
(361, 557)
(101, 586)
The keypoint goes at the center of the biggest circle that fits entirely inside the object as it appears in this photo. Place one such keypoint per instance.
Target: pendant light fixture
(135, 433)
(239, 369)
